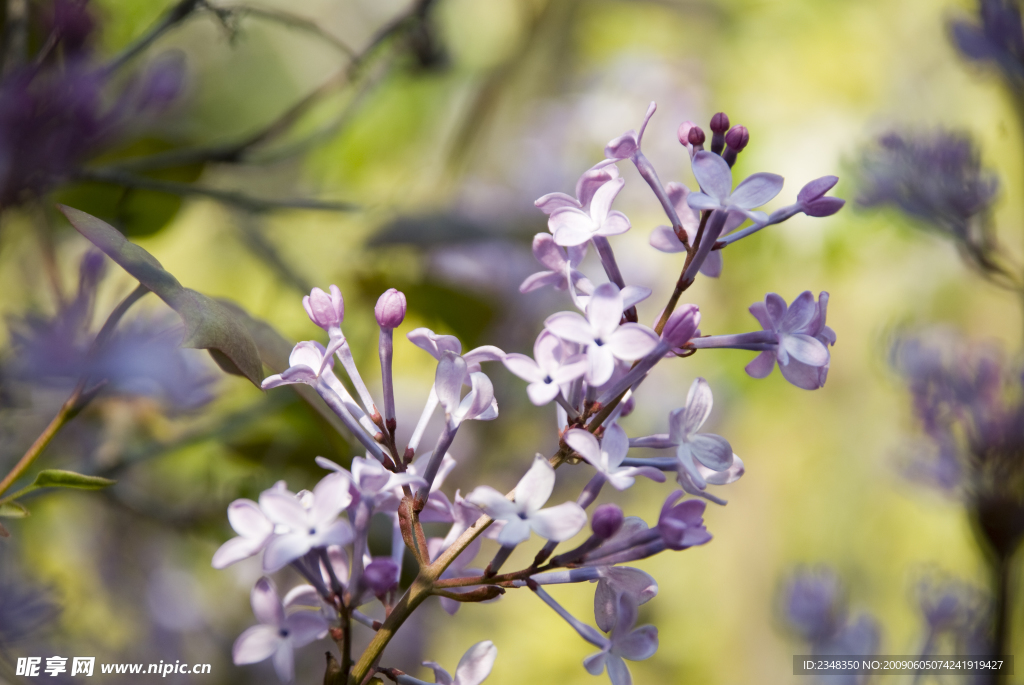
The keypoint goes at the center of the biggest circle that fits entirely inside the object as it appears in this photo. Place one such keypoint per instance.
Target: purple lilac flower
(692, 448)
(616, 581)
(715, 179)
(814, 603)
(604, 339)
(478, 403)
(524, 514)
(587, 186)
(572, 226)
(936, 177)
(607, 456)
(625, 642)
(278, 634)
(998, 38)
(664, 238)
(551, 369)
(795, 336)
(301, 526)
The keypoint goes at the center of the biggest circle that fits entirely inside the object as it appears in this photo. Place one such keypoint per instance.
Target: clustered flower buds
(591, 363)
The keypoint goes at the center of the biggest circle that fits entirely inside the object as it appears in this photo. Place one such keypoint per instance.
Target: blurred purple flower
(997, 38)
(814, 603)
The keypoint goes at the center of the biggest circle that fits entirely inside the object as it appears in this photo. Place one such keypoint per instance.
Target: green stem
(79, 398)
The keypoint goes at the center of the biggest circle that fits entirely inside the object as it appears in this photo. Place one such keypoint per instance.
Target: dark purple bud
(696, 136)
(390, 309)
(682, 525)
(91, 269)
(381, 575)
(325, 310)
(817, 188)
(628, 405)
(72, 23)
(681, 325)
(720, 123)
(737, 138)
(606, 521)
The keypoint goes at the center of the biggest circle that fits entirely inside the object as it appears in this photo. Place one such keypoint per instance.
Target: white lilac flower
(524, 513)
(605, 340)
(254, 531)
(625, 642)
(278, 634)
(474, 667)
(607, 456)
(305, 525)
(436, 345)
(572, 226)
(712, 451)
(715, 179)
(551, 369)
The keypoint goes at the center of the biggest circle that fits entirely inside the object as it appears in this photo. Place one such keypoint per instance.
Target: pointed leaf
(57, 478)
(209, 324)
(12, 510)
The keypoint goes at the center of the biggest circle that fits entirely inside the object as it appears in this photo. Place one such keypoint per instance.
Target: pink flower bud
(326, 311)
(606, 521)
(390, 309)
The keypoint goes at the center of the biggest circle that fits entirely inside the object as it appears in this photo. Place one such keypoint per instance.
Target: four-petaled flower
(803, 339)
(607, 456)
(524, 513)
(708, 449)
(715, 179)
(625, 642)
(278, 634)
(573, 226)
(600, 332)
(308, 523)
(553, 368)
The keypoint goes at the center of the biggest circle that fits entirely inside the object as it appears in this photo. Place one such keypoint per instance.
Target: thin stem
(1003, 630)
(171, 18)
(80, 396)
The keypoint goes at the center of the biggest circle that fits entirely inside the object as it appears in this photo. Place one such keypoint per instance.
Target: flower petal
(284, 509)
(571, 227)
(698, 407)
(248, 520)
(451, 372)
(284, 549)
(616, 223)
(570, 326)
(601, 204)
(664, 239)
(604, 310)
(541, 393)
(701, 201)
(524, 367)
(535, 486)
(476, 664)
(618, 673)
(256, 644)
(330, 496)
(515, 531)
(584, 442)
(558, 523)
(305, 627)
(756, 190)
(614, 444)
(712, 451)
(640, 644)
(762, 365)
(553, 201)
(266, 605)
(800, 313)
(804, 376)
(595, 662)
(493, 503)
(816, 188)
(600, 365)
(806, 349)
(713, 174)
(712, 266)
(631, 341)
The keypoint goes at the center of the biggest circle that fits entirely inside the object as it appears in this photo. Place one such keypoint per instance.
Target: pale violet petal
(256, 644)
(664, 239)
(712, 451)
(476, 664)
(535, 486)
(756, 190)
(558, 523)
(713, 174)
(699, 402)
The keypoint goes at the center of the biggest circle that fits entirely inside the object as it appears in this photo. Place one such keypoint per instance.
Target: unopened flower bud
(628, 405)
(696, 136)
(606, 521)
(681, 326)
(737, 138)
(325, 310)
(719, 125)
(813, 201)
(381, 575)
(683, 132)
(390, 309)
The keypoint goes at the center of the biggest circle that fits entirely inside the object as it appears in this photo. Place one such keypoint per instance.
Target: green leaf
(209, 324)
(12, 510)
(57, 478)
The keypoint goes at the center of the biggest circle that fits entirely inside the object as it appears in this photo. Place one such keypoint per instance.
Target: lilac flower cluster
(589, 363)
